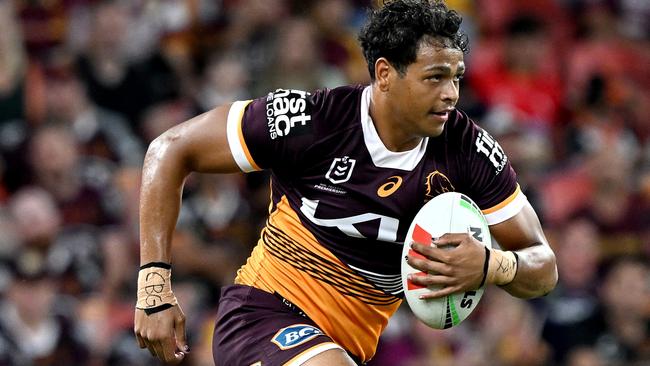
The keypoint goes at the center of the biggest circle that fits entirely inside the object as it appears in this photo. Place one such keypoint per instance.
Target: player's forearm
(536, 273)
(163, 175)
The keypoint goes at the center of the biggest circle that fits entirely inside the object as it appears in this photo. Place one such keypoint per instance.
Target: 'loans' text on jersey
(287, 111)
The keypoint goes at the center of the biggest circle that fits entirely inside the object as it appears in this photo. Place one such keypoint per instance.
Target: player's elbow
(547, 277)
(540, 276)
(166, 150)
(552, 277)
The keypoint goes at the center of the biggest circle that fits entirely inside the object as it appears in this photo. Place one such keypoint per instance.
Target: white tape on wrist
(502, 267)
(155, 288)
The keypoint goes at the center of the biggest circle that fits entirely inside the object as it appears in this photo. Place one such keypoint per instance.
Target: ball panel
(450, 212)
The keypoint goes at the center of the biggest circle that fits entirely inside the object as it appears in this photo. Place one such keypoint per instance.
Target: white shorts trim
(312, 352)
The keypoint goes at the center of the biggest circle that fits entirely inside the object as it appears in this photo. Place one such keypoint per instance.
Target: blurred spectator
(607, 84)
(614, 204)
(572, 318)
(73, 252)
(162, 116)
(114, 81)
(44, 23)
(519, 77)
(225, 80)
(493, 17)
(337, 39)
(79, 186)
(36, 217)
(513, 342)
(21, 96)
(296, 62)
(31, 331)
(250, 28)
(626, 300)
(99, 132)
(599, 125)
(217, 205)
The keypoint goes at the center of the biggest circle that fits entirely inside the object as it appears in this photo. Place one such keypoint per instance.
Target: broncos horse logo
(437, 183)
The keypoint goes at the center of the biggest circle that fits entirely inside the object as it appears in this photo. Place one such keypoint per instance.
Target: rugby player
(350, 167)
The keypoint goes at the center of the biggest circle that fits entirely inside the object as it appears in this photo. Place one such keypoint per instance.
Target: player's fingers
(141, 343)
(430, 266)
(181, 335)
(166, 350)
(431, 280)
(445, 291)
(431, 252)
(137, 328)
(173, 357)
(158, 350)
(151, 348)
(169, 351)
(453, 239)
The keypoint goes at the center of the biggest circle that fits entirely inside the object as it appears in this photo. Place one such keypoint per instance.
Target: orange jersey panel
(289, 260)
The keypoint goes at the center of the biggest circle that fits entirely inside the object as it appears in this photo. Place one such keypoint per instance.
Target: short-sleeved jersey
(341, 202)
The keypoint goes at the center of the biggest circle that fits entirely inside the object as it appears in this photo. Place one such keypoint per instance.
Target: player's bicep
(201, 143)
(519, 231)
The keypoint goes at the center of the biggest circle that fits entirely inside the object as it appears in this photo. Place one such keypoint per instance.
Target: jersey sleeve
(272, 132)
(492, 180)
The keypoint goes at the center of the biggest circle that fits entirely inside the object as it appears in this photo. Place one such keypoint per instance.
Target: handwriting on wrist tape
(502, 267)
(154, 289)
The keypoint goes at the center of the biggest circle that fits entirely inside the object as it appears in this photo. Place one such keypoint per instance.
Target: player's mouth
(442, 114)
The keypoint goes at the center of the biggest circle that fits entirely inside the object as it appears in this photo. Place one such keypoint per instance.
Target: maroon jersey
(342, 202)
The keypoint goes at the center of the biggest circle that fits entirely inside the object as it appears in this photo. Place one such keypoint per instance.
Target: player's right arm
(197, 145)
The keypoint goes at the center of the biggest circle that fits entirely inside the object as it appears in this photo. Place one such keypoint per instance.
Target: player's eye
(459, 77)
(435, 78)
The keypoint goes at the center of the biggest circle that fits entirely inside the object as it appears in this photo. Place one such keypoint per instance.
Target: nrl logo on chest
(339, 172)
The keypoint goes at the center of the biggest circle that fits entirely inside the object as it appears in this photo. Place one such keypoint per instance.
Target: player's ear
(383, 70)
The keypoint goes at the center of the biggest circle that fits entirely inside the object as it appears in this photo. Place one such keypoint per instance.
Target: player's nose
(449, 93)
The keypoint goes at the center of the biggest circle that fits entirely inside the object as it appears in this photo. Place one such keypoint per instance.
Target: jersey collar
(381, 156)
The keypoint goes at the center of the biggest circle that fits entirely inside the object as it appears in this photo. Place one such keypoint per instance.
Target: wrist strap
(156, 264)
(485, 266)
(154, 288)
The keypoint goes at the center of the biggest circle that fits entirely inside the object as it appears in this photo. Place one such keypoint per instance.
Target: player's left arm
(536, 271)
(524, 265)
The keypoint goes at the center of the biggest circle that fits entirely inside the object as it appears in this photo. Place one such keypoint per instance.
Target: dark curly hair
(395, 30)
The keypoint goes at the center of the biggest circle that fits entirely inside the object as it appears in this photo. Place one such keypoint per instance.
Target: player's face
(429, 90)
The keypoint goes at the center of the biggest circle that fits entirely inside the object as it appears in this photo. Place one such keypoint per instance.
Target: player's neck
(387, 124)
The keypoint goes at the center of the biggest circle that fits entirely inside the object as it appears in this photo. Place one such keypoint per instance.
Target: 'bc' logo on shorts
(295, 335)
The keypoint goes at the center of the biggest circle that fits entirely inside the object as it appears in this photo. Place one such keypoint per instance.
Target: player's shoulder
(458, 122)
(469, 139)
(460, 130)
(338, 107)
(345, 91)
(340, 98)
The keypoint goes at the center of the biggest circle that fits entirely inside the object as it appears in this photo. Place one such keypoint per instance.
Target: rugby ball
(450, 212)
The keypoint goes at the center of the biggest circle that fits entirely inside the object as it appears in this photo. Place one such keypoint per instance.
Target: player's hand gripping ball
(449, 212)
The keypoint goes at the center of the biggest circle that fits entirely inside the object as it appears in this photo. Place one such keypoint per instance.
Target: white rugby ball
(450, 212)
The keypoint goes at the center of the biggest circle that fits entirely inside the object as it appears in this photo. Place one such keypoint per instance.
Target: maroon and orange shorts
(257, 328)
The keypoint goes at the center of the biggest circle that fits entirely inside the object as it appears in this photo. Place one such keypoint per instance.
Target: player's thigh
(332, 357)
(255, 327)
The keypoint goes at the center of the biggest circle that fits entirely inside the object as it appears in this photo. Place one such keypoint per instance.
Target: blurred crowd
(85, 85)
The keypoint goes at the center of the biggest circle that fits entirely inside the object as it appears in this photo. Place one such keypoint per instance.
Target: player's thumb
(181, 335)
